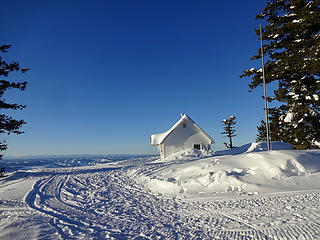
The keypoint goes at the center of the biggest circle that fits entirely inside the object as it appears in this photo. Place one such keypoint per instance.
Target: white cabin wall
(198, 138)
(183, 138)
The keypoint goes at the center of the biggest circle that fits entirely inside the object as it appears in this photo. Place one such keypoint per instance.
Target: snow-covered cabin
(185, 134)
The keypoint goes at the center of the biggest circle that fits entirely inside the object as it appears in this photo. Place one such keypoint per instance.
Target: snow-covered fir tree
(277, 131)
(292, 49)
(229, 130)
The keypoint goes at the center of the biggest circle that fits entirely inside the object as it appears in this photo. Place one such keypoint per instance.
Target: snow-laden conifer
(292, 48)
(229, 130)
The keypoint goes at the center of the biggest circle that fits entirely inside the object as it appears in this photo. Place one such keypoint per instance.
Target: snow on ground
(243, 174)
(249, 195)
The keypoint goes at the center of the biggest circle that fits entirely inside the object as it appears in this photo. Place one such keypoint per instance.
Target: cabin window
(184, 125)
(196, 146)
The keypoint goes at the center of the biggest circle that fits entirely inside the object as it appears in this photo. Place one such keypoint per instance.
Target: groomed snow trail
(108, 204)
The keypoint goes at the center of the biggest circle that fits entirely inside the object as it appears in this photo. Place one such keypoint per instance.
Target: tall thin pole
(265, 91)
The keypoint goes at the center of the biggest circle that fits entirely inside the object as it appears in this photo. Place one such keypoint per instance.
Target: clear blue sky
(105, 75)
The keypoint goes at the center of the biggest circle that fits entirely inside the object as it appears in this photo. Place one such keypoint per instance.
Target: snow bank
(251, 172)
(192, 154)
(255, 147)
(189, 154)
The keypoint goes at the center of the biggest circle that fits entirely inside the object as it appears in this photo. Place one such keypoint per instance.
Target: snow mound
(189, 154)
(255, 147)
(192, 154)
(251, 172)
(262, 146)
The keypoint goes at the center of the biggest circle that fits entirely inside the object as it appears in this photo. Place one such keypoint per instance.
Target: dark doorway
(196, 146)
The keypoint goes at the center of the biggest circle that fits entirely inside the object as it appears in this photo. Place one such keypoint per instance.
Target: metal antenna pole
(265, 91)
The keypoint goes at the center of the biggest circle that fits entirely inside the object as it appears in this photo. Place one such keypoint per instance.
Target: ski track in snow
(109, 204)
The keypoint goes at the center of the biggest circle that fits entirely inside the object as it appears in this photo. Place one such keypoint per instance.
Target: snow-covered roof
(157, 139)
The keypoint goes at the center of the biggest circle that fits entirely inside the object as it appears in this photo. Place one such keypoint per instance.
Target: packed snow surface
(249, 194)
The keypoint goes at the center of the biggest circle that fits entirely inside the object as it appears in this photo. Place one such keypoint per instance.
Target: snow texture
(250, 195)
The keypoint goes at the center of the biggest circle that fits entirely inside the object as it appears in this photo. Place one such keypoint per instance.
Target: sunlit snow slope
(252, 195)
(246, 170)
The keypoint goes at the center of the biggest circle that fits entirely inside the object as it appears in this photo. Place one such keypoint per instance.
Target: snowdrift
(191, 153)
(255, 147)
(250, 170)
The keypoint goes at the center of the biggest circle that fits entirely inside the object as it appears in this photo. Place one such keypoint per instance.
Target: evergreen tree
(229, 130)
(278, 130)
(292, 48)
(8, 124)
(262, 133)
